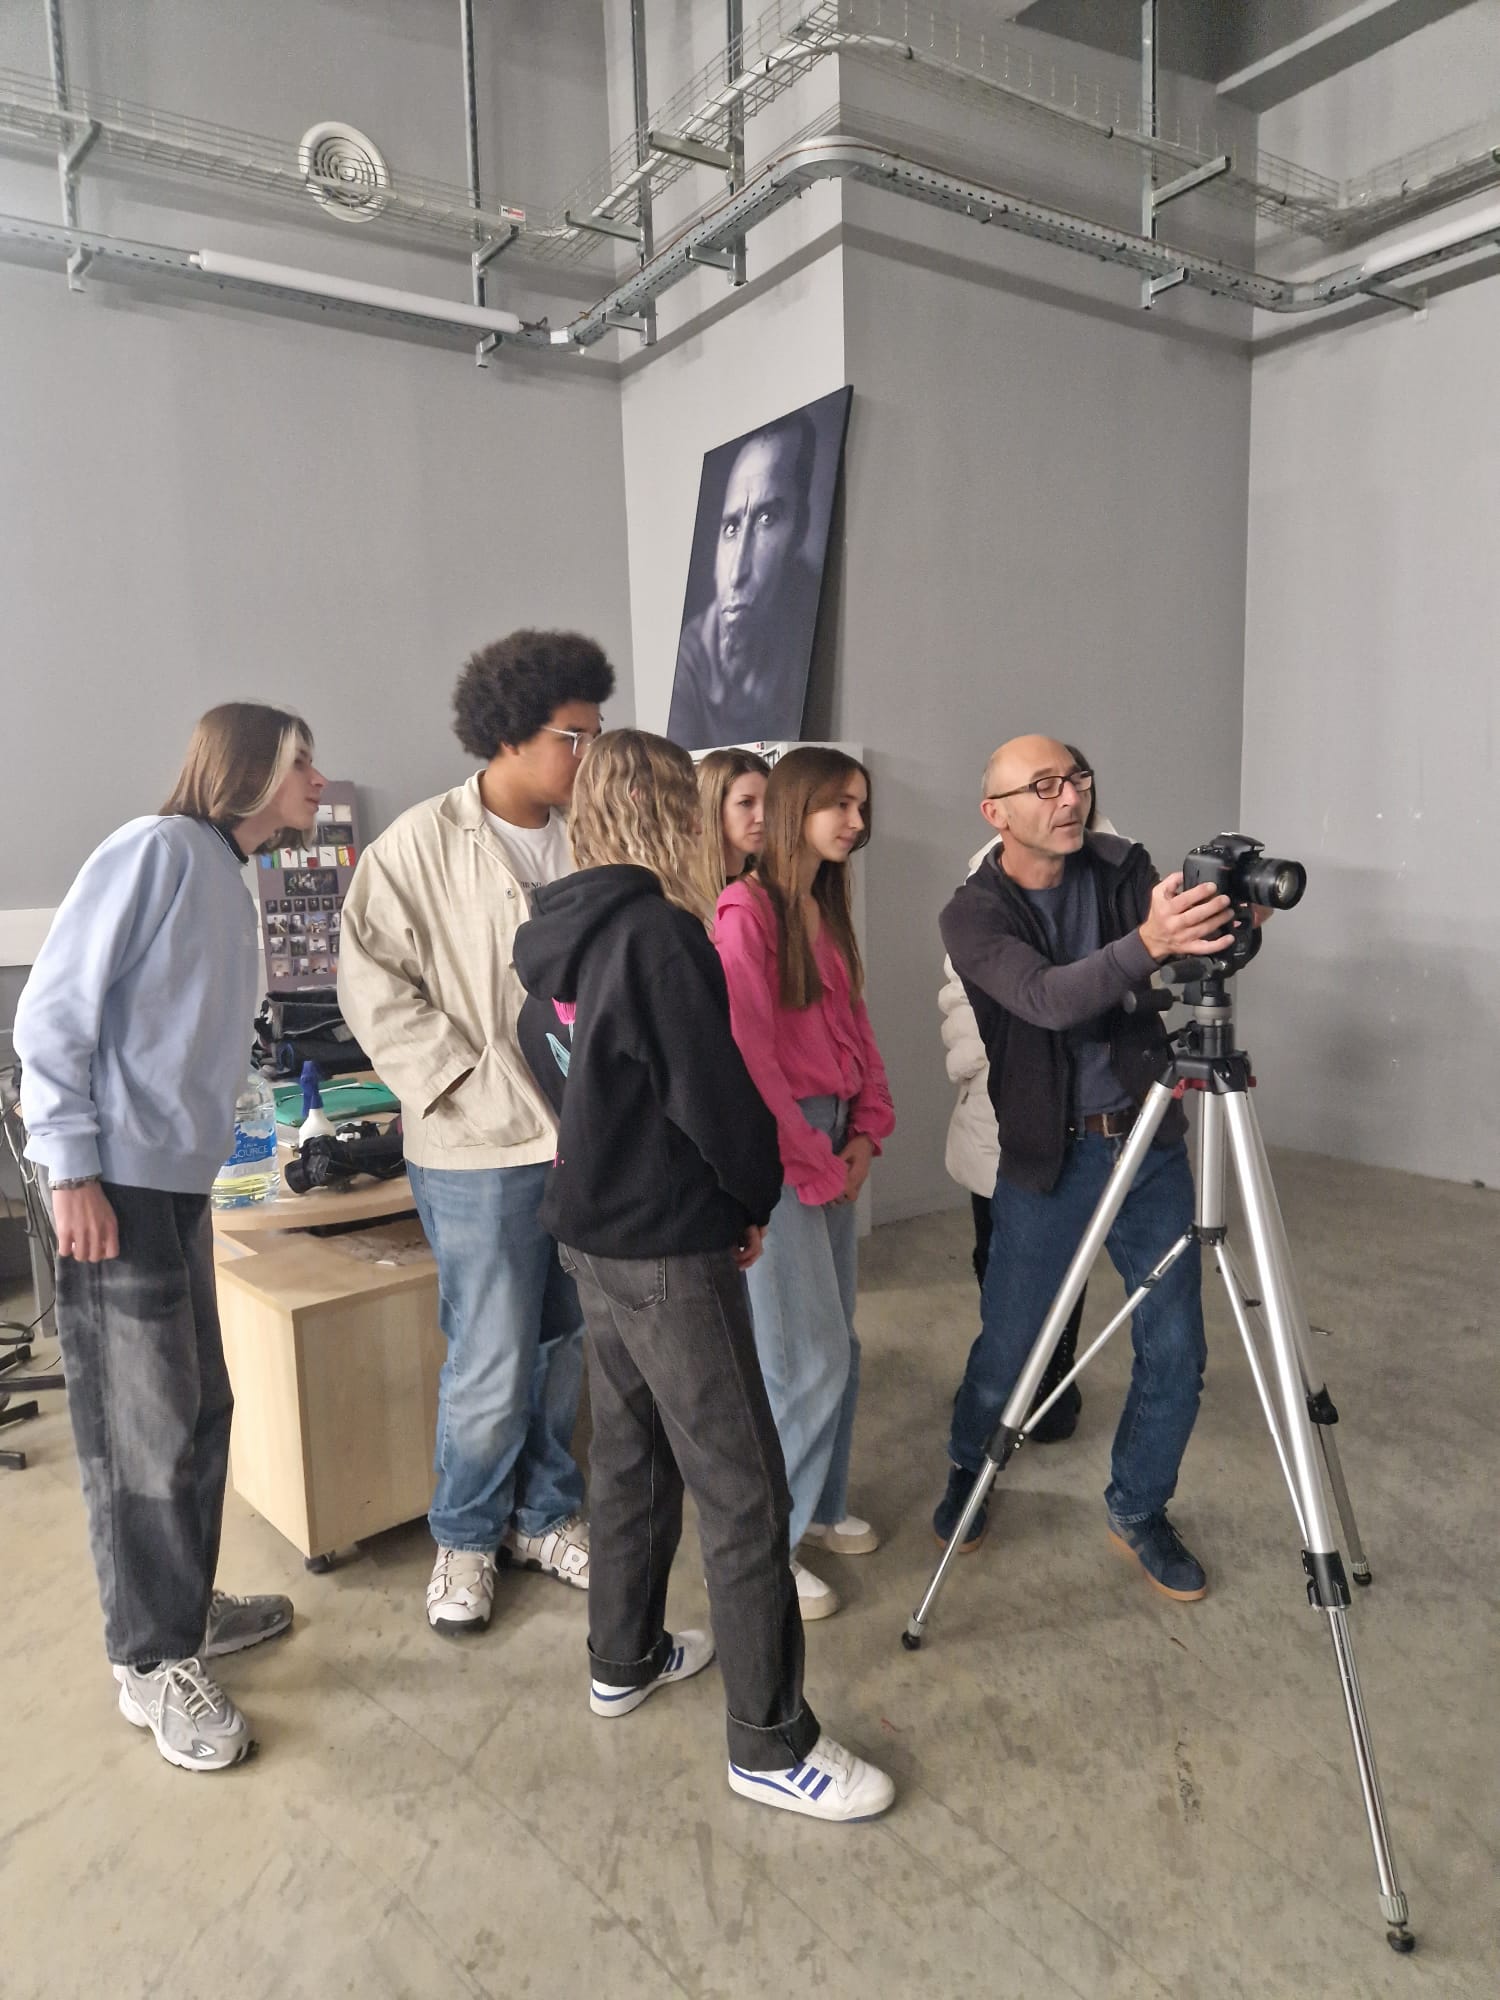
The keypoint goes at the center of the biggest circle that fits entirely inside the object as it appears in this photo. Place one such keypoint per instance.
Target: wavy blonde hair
(718, 773)
(636, 801)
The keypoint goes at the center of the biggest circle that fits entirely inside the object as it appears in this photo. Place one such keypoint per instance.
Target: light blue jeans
(508, 1392)
(802, 1290)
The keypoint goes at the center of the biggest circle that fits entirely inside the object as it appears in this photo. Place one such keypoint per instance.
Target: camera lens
(1276, 884)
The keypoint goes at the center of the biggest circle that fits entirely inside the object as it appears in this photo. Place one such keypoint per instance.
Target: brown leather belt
(1108, 1124)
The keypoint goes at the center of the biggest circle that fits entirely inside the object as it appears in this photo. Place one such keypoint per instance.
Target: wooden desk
(334, 1359)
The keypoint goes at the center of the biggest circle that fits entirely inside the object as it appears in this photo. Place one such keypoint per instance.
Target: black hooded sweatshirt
(665, 1146)
(1026, 1004)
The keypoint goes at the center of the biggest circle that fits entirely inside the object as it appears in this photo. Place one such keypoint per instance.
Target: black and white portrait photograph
(760, 544)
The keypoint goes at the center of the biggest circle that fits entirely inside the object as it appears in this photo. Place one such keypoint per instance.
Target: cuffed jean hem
(776, 1748)
(632, 1673)
(522, 1519)
(1131, 1520)
(188, 1650)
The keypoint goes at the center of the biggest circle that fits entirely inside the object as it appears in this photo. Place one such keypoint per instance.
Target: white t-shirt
(536, 854)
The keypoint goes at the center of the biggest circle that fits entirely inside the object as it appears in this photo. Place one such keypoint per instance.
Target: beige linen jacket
(427, 985)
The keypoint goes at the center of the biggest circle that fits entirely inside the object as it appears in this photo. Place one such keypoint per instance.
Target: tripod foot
(1360, 1572)
(911, 1640)
(1399, 1938)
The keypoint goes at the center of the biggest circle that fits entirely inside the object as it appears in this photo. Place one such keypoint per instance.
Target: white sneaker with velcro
(461, 1592)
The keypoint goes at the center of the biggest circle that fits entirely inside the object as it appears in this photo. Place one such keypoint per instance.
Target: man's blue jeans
(1032, 1243)
(508, 1393)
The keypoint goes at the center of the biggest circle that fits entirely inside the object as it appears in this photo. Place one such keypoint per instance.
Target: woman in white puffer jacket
(972, 1157)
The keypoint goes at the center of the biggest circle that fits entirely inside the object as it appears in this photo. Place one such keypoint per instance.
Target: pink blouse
(825, 1050)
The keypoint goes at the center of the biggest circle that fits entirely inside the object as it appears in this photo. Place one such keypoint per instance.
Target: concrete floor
(1101, 1794)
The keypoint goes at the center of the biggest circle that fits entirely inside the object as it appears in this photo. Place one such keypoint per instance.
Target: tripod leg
(1324, 1416)
(1240, 1304)
(1359, 1562)
(1327, 1589)
(916, 1625)
(1014, 1422)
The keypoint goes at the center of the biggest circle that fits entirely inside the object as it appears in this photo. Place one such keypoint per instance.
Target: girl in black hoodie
(667, 1171)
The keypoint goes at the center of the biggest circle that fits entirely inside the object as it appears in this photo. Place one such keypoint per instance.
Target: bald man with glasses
(1049, 935)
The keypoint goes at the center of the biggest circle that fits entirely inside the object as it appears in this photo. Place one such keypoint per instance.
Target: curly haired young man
(426, 983)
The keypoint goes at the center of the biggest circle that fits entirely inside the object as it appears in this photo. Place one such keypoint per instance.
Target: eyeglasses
(578, 737)
(1050, 788)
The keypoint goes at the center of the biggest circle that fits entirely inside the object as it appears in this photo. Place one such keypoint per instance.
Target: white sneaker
(829, 1783)
(690, 1654)
(849, 1537)
(817, 1598)
(461, 1592)
(196, 1726)
(562, 1552)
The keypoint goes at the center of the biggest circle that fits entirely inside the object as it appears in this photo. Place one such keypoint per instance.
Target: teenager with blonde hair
(732, 795)
(134, 1033)
(796, 982)
(666, 1171)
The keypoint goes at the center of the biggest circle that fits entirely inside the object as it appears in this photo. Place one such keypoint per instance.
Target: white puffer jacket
(973, 1153)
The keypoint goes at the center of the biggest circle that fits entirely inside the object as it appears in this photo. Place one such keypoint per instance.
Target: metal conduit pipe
(781, 182)
(784, 178)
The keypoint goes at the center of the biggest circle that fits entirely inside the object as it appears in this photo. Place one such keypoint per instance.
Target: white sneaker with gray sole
(196, 1725)
(461, 1592)
(688, 1654)
(237, 1622)
(562, 1551)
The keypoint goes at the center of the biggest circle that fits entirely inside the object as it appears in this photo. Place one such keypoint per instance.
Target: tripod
(1296, 1404)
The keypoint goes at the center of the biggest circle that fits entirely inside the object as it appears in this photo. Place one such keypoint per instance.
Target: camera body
(1240, 869)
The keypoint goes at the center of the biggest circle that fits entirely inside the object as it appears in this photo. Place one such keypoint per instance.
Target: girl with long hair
(133, 1032)
(796, 986)
(732, 796)
(666, 1172)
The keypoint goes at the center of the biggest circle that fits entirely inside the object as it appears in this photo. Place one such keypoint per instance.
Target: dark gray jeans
(150, 1402)
(677, 1395)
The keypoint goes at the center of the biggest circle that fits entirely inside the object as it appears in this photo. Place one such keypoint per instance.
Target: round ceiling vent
(346, 174)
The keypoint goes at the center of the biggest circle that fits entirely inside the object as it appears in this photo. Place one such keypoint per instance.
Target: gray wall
(199, 501)
(1044, 530)
(1372, 696)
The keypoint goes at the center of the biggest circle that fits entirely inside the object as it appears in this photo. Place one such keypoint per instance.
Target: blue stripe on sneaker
(613, 1694)
(808, 1779)
(769, 1779)
(674, 1660)
(822, 1788)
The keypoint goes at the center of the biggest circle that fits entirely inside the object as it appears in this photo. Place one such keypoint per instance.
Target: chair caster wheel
(318, 1565)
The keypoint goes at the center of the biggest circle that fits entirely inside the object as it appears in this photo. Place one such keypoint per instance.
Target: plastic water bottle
(250, 1172)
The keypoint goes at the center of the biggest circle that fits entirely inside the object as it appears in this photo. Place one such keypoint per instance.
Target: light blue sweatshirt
(134, 1028)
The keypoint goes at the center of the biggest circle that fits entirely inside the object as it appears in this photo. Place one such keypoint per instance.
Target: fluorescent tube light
(352, 292)
(1473, 228)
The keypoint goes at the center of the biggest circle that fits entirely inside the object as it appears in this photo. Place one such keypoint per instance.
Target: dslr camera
(1240, 869)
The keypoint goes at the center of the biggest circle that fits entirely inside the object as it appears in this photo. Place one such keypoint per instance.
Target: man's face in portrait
(759, 530)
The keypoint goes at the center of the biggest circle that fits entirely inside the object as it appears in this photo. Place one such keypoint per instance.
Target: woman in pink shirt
(786, 937)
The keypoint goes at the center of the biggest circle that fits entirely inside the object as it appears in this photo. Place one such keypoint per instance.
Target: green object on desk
(340, 1101)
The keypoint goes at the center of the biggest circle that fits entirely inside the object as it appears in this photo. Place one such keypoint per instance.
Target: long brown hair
(636, 800)
(718, 773)
(803, 782)
(239, 755)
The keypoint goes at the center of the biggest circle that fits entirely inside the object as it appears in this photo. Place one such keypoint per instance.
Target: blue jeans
(508, 1393)
(1032, 1243)
(802, 1291)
